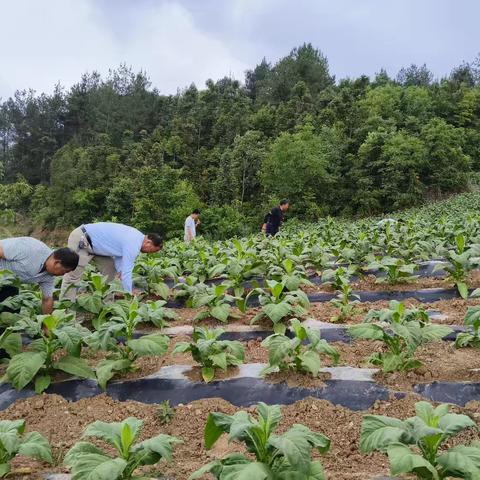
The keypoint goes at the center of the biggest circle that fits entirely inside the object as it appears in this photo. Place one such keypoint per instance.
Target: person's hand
(198, 222)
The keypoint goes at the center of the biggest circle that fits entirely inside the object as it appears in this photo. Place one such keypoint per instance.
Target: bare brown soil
(63, 422)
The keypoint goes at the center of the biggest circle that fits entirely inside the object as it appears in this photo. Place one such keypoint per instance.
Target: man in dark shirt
(275, 218)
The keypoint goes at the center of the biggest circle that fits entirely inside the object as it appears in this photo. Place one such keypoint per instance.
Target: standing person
(191, 224)
(274, 219)
(32, 261)
(113, 247)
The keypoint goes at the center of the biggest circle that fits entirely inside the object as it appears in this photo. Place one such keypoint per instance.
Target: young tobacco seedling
(290, 353)
(346, 302)
(217, 302)
(165, 412)
(14, 441)
(460, 263)
(119, 320)
(289, 274)
(149, 274)
(52, 333)
(211, 353)
(472, 324)
(286, 456)
(156, 313)
(338, 277)
(397, 313)
(396, 270)
(98, 291)
(278, 304)
(427, 431)
(400, 341)
(87, 461)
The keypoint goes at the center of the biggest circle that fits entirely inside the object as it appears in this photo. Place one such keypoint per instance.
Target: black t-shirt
(273, 220)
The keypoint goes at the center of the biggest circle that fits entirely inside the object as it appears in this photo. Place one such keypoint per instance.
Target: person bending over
(113, 247)
(32, 261)
(274, 219)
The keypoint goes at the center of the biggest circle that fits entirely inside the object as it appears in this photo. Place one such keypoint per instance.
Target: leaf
(75, 366)
(161, 289)
(94, 466)
(212, 430)
(270, 416)
(11, 342)
(462, 289)
(221, 312)
(453, 423)
(208, 374)
(90, 303)
(42, 382)
(161, 444)
(276, 311)
(219, 360)
(35, 445)
(149, 345)
(310, 362)
(106, 369)
(5, 468)
(247, 471)
(379, 431)
(23, 367)
(366, 331)
(403, 460)
(461, 461)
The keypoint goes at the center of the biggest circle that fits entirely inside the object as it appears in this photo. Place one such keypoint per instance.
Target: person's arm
(47, 305)
(126, 267)
(2, 254)
(47, 296)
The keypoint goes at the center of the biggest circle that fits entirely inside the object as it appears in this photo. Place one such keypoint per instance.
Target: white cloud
(57, 40)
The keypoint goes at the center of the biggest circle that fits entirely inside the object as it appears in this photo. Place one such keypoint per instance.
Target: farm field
(342, 323)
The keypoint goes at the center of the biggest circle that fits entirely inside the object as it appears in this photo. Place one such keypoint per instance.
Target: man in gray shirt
(31, 261)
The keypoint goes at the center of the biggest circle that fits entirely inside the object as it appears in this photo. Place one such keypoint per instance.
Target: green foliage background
(117, 149)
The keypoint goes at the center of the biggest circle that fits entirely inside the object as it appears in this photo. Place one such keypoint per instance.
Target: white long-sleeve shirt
(121, 242)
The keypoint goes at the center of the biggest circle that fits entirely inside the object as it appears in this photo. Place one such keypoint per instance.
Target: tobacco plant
(115, 335)
(210, 352)
(272, 456)
(54, 334)
(286, 353)
(415, 445)
(89, 462)
(14, 441)
(278, 304)
(471, 337)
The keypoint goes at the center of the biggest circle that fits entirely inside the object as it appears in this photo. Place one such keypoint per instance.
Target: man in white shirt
(191, 223)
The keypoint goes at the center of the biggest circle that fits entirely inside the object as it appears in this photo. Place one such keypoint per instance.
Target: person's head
(152, 243)
(284, 204)
(195, 214)
(61, 261)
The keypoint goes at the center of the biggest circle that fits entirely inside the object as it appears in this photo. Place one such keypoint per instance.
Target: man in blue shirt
(113, 247)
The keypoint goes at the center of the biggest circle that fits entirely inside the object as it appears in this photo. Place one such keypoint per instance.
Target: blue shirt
(121, 242)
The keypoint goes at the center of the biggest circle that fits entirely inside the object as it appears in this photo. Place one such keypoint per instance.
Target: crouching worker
(113, 248)
(32, 261)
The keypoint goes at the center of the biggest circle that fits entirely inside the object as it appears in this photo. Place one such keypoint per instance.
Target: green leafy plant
(120, 320)
(211, 353)
(337, 278)
(461, 262)
(396, 270)
(400, 341)
(156, 313)
(291, 275)
(14, 441)
(286, 456)
(278, 304)
(98, 291)
(346, 302)
(398, 313)
(426, 433)
(472, 324)
(290, 353)
(149, 274)
(87, 461)
(216, 302)
(54, 334)
(165, 412)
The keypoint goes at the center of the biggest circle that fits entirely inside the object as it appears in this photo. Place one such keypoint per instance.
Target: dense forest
(115, 148)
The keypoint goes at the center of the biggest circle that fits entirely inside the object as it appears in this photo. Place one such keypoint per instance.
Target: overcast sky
(179, 42)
